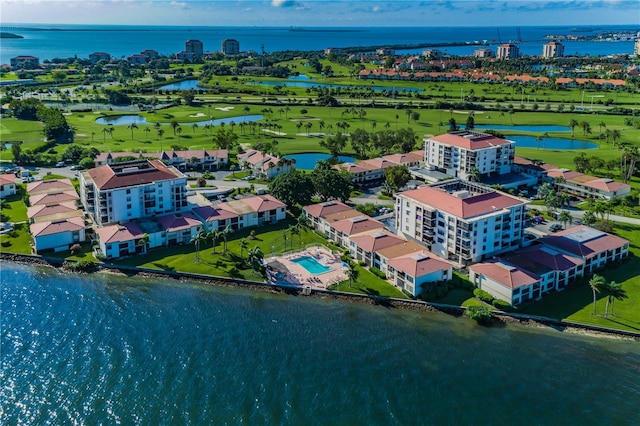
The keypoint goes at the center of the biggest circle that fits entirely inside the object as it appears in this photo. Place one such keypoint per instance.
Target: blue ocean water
(102, 349)
(63, 41)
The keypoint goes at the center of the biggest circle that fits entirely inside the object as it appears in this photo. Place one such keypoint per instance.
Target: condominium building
(553, 49)
(230, 46)
(550, 265)
(7, 185)
(636, 47)
(24, 63)
(508, 51)
(483, 53)
(96, 57)
(459, 153)
(263, 165)
(130, 190)
(460, 220)
(194, 46)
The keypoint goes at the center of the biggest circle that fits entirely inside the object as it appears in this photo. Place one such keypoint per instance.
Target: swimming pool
(311, 265)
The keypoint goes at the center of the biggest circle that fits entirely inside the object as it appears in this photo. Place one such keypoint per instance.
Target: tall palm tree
(214, 236)
(174, 125)
(597, 283)
(147, 130)
(197, 240)
(143, 242)
(352, 273)
(132, 126)
(226, 232)
(244, 244)
(160, 133)
(255, 258)
(565, 217)
(614, 292)
(194, 126)
(474, 174)
(573, 123)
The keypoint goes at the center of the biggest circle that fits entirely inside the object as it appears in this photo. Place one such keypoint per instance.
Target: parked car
(555, 227)
(60, 164)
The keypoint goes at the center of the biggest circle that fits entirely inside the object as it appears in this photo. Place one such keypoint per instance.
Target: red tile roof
(211, 213)
(335, 217)
(119, 233)
(326, 208)
(53, 198)
(178, 222)
(41, 210)
(152, 171)
(584, 241)
(471, 206)
(357, 225)
(263, 203)
(504, 273)
(53, 185)
(419, 264)
(375, 241)
(470, 140)
(41, 229)
(7, 179)
(552, 259)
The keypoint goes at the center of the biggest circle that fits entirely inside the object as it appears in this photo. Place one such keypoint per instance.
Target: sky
(319, 13)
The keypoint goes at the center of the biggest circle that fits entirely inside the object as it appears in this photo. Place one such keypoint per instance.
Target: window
(128, 206)
(128, 191)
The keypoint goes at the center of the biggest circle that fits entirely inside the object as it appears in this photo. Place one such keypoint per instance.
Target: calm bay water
(105, 350)
(63, 41)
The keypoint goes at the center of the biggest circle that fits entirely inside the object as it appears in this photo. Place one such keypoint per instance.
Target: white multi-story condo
(553, 49)
(131, 190)
(458, 153)
(460, 220)
(507, 51)
(230, 46)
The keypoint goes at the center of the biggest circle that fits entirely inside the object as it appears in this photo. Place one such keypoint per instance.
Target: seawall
(500, 316)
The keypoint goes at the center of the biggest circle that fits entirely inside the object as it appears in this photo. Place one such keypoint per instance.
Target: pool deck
(298, 276)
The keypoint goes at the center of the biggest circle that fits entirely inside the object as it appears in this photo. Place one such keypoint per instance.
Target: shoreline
(499, 318)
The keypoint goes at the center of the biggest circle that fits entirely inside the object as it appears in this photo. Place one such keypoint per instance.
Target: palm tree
(177, 130)
(573, 123)
(132, 126)
(160, 133)
(147, 130)
(293, 230)
(565, 217)
(174, 125)
(143, 242)
(197, 240)
(614, 292)
(352, 273)
(474, 174)
(105, 130)
(255, 257)
(226, 232)
(194, 126)
(214, 236)
(597, 283)
(244, 244)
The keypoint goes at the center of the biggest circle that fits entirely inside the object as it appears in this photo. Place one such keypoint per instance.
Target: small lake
(551, 143)
(181, 85)
(298, 77)
(307, 161)
(121, 120)
(540, 128)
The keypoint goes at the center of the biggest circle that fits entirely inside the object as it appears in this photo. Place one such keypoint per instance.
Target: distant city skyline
(323, 13)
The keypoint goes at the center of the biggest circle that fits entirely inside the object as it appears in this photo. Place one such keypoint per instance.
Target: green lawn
(16, 241)
(270, 239)
(576, 302)
(369, 284)
(13, 208)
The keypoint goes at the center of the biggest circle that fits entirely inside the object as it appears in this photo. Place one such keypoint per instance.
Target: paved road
(577, 214)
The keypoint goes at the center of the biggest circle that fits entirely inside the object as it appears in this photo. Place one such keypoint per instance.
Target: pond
(551, 143)
(298, 77)
(534, 128)
(308, 160)
(181, 85)
(121, 120)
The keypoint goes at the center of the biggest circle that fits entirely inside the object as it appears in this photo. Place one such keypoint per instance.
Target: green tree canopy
(292, 188)
(330, 184)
